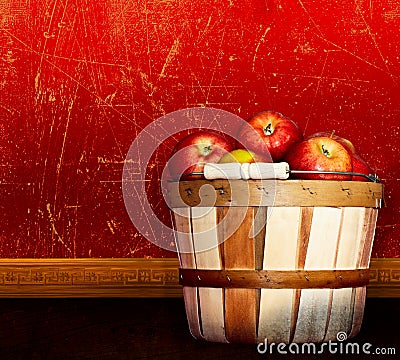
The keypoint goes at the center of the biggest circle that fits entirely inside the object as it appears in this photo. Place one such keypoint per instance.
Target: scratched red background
(80, 79)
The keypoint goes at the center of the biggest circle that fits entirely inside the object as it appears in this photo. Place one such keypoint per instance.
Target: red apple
(320, 154)
(193, 151)
(360, 166)
(345, 142)
(273, 131)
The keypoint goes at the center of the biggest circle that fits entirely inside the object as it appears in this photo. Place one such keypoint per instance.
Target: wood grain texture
(185, 246)
(364, 261)
(210, 300)
(274, 279)
(276, 193)
(276, 305)
(315, 304)
(352, 239)
(240, 304)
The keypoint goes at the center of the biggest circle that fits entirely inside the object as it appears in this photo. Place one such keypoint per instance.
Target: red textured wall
(80, 79)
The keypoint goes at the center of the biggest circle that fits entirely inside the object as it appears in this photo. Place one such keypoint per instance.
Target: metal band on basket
(274, 279)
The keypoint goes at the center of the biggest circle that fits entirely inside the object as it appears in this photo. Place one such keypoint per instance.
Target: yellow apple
(243, 156)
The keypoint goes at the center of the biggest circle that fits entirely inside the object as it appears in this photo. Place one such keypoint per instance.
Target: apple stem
(332, 133)
(325, 151)
(207, 150)
(268, 130)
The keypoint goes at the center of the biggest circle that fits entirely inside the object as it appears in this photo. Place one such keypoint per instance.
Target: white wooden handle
(245, 171)
(259, 170)
(222, 171)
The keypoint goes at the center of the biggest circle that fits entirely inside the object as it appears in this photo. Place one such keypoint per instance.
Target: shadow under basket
(282, 260)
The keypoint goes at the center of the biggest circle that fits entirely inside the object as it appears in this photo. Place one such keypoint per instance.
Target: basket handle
(264, 171)
(258, 170)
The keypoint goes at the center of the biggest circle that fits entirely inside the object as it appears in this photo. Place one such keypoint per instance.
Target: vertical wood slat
(207, 255)
(302, 246)
(351, 243)
(321, 253)
(370, 223)
(279, 254)
(259, 231)
(240, 304)
(371, 215)
(183, 238)
(184, 244)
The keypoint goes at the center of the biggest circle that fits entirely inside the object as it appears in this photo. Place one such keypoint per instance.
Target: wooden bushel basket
(294, 263)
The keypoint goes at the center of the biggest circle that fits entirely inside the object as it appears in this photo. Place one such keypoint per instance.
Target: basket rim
(331, 193)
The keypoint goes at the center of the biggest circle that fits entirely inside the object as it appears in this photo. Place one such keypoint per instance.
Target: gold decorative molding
(132, 278)
(384, 278)
(89, 278)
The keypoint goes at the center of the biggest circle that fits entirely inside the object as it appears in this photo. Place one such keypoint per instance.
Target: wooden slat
(259, 229)
(321, 253)
(280, 253)
(363, 262)
(183, 238)
(302, 246)
(240, 304)
(184, 244)
(205, 240)
(306, 216)
(351, 239)
(191, 299)
(370, 222)
(275, 193)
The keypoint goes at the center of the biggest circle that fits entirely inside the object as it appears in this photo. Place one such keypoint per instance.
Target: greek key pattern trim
(132, 277)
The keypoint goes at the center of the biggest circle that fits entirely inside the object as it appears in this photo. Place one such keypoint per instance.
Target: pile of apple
(271, 137)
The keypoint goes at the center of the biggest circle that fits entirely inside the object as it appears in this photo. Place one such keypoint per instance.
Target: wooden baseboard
(384, 278)
(89, 278)
(132, 278)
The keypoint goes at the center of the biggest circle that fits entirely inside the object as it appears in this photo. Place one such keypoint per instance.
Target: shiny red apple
(193, 151)
(273, 130)
(320, 154)
(360, 166)
(345, 142)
